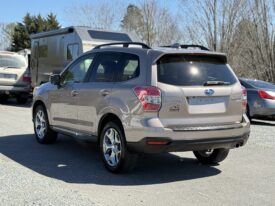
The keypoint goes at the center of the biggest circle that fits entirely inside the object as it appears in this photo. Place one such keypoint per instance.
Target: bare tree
(6, 31)
(152, 23)
(104, 14)
(262, 32)
(213, 22)
(256, 40)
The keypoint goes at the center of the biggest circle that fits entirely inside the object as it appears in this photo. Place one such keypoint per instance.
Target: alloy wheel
(112, 147)
(40, 124)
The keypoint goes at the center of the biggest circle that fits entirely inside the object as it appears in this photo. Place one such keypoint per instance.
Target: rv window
(43, 51)
(111, 36)
(72, 52)
(36, 47)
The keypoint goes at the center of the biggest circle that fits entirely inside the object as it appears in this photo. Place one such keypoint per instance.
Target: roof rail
(124, 44)
(186, 46)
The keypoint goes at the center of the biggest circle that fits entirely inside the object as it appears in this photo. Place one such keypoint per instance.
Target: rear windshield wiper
(215, 83)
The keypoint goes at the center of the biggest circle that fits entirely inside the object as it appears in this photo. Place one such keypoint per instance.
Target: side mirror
(55, 79)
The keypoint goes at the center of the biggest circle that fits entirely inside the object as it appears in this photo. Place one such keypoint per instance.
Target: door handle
(104, 92)
(74, 93)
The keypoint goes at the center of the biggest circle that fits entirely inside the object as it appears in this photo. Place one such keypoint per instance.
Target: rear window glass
(12, 61)
(262, 84)
(245, 84)
(193, 70)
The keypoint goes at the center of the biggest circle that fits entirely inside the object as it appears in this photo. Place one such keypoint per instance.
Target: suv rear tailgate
(197, 91)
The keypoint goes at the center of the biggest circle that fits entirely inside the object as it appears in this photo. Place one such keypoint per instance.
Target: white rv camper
(52, 51)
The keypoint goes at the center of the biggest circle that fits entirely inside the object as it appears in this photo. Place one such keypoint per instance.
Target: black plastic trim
(186, 145)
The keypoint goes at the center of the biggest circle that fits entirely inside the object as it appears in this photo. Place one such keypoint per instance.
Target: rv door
(35, 62)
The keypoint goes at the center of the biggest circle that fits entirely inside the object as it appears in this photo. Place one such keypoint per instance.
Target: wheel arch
(109, 117)
(36, 104)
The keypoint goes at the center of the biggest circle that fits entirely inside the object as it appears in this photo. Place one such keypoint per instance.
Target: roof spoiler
(186, 46)
(219, 56)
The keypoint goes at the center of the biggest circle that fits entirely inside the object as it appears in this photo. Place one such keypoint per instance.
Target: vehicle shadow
(13, 103)
(80, 163)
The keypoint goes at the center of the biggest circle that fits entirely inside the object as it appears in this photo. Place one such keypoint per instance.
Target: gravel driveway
(71, 173)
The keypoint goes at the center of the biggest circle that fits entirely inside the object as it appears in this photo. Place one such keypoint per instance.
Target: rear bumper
(15, 89)
(188, 138)
(187, 145)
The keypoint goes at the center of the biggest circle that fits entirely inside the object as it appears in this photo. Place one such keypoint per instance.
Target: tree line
(244, 29)
(16, 36)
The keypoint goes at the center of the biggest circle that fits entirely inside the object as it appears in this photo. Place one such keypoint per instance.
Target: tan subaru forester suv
(133, 99)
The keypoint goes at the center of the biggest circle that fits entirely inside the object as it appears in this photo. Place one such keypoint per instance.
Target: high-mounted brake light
(150, 98)
(244, 101)
(265, 95)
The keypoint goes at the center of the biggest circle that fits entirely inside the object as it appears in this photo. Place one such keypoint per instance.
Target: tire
(113, 150)
(43, 133)
(21, 100)
(211, 156)
(3, 98)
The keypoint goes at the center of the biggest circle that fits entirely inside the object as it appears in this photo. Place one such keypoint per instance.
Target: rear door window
(187, 70)
(128, 67)
(115, 67)
(12, 61)
(105, 66)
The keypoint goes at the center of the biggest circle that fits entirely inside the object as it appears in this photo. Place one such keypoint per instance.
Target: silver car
(15, 77)
(260, 97)
(134, 99)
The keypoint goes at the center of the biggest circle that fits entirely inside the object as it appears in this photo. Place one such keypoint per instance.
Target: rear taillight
(244, 100)
(27, 77)
(150, 98)
(265, 95)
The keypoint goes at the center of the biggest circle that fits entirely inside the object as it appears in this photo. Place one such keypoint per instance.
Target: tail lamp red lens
(265, 95)
(244, 101)
(150, 98)
(27, 77)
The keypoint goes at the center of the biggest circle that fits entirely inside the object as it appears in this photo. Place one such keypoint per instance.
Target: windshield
(12, 61)
(194, 71)
(261, 84)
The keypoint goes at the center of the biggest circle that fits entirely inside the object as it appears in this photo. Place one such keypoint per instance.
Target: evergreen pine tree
(31, 25)
(52, 22)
